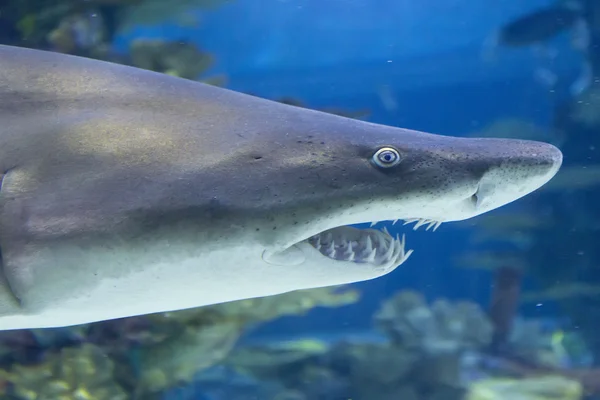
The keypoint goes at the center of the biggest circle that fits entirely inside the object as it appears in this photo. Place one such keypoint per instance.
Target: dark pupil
(388, 156)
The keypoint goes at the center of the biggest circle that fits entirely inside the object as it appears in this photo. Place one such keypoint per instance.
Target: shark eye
(386, 157)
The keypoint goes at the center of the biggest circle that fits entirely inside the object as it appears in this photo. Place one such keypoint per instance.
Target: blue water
(249, 35)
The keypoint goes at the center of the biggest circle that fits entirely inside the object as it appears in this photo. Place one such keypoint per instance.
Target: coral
(265, 359)
(293, 303)
(140, 356)
(178, 359)
(535, 388)
(179, 58)
(87, 27)
(421, 358)
(78, 373)
(293, 363)
(442, 328)
(436, 336)
(537, 345)
(434, 351)
(380, 370)
(171, 348)
(80, 33)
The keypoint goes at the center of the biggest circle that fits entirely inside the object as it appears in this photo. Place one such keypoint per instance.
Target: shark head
(356, 172)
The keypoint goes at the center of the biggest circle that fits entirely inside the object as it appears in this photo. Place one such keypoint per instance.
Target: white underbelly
(71, 284)
(68, 287)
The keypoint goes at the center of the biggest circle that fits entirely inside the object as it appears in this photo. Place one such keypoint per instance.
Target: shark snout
(519, 168)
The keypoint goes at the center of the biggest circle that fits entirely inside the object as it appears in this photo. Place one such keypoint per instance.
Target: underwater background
(503, 306)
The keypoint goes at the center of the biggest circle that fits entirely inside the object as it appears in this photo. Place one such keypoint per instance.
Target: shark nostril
(475, 199)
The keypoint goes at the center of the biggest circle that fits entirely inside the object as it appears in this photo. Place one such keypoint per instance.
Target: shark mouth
(372, 246)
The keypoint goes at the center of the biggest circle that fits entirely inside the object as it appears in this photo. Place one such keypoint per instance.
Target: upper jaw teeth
(431, 223)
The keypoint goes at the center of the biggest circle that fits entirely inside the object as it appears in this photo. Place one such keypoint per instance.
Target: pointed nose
(520, 168)
(542, 157)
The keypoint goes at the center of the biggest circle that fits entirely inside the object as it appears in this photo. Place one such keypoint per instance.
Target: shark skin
(127, 192)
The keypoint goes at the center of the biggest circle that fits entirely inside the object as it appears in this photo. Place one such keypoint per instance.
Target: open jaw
(367, 246)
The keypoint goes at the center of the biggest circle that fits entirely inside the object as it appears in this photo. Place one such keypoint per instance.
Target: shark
(127, 192)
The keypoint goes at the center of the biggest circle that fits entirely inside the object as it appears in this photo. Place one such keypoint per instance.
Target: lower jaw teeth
(361, 246)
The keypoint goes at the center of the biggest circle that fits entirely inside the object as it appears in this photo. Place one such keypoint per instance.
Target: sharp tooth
(431, 225)
(390, 251)
(373, 224)
(331, 248)
(419, 224)
(394, 222)
(395, 258)
(350, 257)
(331, 253)
(386, 231)
(437, 225)
(405, 254)
(349, 251)
(398, 251)
(368, 244)
(410, 221)
(371, 257)
(403, 242)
